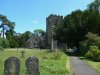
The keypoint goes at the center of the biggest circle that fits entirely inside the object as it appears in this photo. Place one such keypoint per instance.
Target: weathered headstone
(12, 66)
(32, 66)
(23, 54)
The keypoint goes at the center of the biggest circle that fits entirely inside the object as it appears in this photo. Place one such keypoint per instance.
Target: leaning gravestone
(32, 66)
(12, 66)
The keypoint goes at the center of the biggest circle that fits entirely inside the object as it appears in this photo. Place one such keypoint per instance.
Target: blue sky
(31, 14)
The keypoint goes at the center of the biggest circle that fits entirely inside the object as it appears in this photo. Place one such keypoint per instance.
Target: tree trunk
(3, 32)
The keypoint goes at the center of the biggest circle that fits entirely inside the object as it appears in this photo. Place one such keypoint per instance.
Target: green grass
(93, 64)
(51, 63)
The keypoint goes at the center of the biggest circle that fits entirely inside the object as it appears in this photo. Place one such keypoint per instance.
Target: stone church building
(46, 41)
(36, 42)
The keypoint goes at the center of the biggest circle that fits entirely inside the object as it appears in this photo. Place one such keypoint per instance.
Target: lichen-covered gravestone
(32, 66)
(12, 66)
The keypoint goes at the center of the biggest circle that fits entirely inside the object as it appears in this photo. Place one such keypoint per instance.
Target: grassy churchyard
(51, 63)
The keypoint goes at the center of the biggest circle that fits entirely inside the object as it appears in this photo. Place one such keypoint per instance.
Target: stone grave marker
(32, 66)
(12, 66)
(23, 54)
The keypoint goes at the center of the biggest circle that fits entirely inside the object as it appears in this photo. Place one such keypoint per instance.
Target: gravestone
(32, 66)
(23, 54)
(12, 66)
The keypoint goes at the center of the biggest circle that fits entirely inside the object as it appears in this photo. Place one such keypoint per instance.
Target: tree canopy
(77, 24)
(39, 32)
(6, 24)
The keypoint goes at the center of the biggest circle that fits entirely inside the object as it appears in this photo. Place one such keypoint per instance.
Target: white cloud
(35, 21)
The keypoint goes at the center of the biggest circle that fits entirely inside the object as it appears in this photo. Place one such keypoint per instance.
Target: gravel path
(80, 68)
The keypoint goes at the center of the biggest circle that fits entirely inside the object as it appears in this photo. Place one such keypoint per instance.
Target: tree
(24, 37)
(76, 25)
(75, 29)
(91, 21)
(95, 6)
(39, 32)
(6, 24)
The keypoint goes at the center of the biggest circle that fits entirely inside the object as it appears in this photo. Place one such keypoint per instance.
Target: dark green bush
(93, 53)
(4, 43)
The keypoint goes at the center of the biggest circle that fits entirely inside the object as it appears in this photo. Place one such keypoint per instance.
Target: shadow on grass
(85, 58)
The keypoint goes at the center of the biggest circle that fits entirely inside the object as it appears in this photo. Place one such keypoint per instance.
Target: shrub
(83, 47)
(4, 43)
(92, 39)
(13, 43)
(93, 53)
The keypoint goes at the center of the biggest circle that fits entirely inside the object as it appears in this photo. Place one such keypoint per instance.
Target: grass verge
(93, 64)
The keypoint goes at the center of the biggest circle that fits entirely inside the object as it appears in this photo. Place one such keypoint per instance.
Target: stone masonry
(52, 21)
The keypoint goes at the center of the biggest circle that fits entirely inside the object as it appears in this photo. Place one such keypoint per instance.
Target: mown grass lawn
(93, 64)
(51, 63)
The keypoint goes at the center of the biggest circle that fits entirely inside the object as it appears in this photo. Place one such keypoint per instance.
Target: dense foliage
(91, 39)
(93, 53)
(18, 40)
(39, 32)
(75, 27)
(4, 43)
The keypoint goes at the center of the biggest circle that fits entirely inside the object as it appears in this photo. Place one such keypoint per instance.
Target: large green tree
(24, 37)
(6, 24)
(77, 24)
(39, 32)
(75, 29)
(95, 16)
